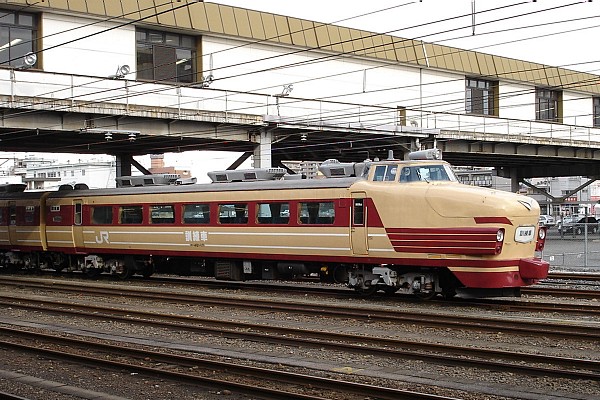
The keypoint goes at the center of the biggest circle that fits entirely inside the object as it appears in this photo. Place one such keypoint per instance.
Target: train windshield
(427, 173)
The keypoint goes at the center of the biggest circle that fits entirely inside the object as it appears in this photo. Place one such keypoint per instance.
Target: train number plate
(524, 234)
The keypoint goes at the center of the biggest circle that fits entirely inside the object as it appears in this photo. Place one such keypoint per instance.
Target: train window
(13, 214)
(196, 214)
(1, 216)
(130, 214)
(29, 214)
(78, 214)
(385, 173)
(379, 173)
(359, 212)
(273, 213)
(163, 214)
(102, 215)
(426, 173)
(233, 213)
(317, 212)
(54, 208)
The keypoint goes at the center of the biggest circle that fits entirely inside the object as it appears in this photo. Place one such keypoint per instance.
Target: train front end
(439, 236)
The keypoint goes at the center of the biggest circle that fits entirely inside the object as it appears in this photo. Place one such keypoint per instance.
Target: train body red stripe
(468, 241)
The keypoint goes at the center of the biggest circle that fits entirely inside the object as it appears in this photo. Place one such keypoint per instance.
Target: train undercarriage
(366, 280)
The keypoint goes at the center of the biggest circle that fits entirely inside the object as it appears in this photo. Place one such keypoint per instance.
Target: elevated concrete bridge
(71, 115)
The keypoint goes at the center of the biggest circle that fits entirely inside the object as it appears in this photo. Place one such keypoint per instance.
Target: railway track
(386, 347)
(248, 380)
(502, 304)
(402, 316)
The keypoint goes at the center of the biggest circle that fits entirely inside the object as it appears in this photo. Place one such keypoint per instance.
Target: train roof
(214, 187)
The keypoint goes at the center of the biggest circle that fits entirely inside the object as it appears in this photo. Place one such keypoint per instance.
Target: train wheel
(366, 292)
(148, 271)
(92, 272)
(389, 290)
(123, 272)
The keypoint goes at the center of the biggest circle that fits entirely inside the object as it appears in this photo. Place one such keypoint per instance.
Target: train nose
(533, 268)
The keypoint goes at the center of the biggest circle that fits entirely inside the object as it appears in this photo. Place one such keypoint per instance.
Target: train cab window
(233, 213)
(379, 173)
(312, 213)
(130, 215)
(385, 173)
(426, 173)
(102, 215)
(196, 214)
(273, 213)
(163, 214)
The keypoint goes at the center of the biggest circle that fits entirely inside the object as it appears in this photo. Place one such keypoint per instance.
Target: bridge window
(18, 33)
(480, 97)
(597, 112)
(547, 105)
(165, 57)
(196, 214)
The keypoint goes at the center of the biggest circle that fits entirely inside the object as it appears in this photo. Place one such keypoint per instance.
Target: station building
(269, 78)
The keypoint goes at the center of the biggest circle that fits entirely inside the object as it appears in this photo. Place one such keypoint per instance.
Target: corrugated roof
(212, 18)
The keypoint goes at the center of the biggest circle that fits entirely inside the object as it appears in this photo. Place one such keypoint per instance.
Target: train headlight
(542, 233)
(500, 235)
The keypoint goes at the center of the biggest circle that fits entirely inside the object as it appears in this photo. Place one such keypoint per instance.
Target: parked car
(576, 225)
(547, 220)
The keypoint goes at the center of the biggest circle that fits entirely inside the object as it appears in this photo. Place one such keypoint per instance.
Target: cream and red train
(388, 225)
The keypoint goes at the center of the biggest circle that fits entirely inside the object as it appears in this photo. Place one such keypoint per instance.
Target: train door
(358, 224)
(78, 223)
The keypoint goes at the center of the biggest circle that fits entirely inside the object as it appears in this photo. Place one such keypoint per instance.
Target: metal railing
(42, 89)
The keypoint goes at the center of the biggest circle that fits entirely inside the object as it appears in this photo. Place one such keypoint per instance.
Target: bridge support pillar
(262, 152)
(123, 165)
(515, 180)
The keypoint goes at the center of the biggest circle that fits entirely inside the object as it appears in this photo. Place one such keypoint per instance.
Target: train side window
(29, 214)
(162, 214)
(196, 214)
(13, 214)
(314, 212)
(130, 215)
(358, 218)
(273, 213)
(78, 214)
(2, 215)
(102, 215)
(233, 213)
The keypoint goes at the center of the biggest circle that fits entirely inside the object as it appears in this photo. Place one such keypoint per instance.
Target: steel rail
(379, 346)
(259, 374)
(528, 327)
